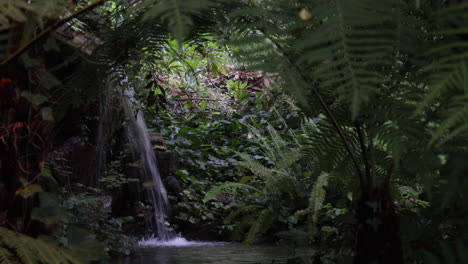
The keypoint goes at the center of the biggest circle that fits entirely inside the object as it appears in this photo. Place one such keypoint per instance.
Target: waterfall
(137, 132)
(102, 136)
(143, 150)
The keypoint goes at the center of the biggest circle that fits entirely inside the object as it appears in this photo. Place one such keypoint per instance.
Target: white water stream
(163, 235)
(143, 150)
(161, 232)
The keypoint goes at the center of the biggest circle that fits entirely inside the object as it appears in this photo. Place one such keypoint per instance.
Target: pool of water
(190, 252)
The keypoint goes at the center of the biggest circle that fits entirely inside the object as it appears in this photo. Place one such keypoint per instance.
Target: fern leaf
(350, 48)
(179, 14)
(289, 158)
(316, 200)
(241, 211)
(263, 222)
(448, 72)
(227, 187)
(256, 167)
(456, 122)
(317, 196)
(32, 251)
(6, 257)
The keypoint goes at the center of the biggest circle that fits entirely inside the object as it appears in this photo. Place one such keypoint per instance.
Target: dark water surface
(211, 253)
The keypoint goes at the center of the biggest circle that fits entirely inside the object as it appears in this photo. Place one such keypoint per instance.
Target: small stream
(189, 252)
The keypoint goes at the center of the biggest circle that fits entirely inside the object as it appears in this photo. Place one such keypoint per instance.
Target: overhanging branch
(49, 29)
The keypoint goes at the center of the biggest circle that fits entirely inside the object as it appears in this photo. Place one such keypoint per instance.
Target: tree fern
(345, 47)
(32, 251)
(448, 72)
(345, 64)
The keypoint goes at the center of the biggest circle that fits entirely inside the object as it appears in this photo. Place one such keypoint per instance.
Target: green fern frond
(316, 200)
(257, 168)
(349, 49)
(317, 196)
(179, 14)
(229, 188)
(448, 72)
(33, 251)
(262, 224)
(6, 257)
(242, 211)
(456, 121)
(288, 158)
(323, 144)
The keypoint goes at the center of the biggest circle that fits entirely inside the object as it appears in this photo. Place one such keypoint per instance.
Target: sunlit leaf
(29, 190)
(46, 114)
(36, 99)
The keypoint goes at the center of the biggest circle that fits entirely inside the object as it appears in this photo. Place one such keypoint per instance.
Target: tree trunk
(378, 229)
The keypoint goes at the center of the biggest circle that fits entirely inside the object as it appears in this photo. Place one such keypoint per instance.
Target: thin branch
(202, 99)
(49, 29)
(370, 147)
(339, 130)
(365, 155)
(387, 178)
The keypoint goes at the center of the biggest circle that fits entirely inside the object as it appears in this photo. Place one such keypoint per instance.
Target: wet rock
(157, 141)
(208, 232)
(168, 162)
(224, 198)
(173, 185)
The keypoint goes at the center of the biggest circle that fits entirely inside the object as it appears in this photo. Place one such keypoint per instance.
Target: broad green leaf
(49, 81)
(47, 173)
(29, 190)
(48, 214)
(46, 114)
(203, 105)
(48, 199)
(85, 244)
(51, 44)
(36, 99)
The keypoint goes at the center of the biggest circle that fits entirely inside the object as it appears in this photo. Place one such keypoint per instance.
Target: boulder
(168, 162)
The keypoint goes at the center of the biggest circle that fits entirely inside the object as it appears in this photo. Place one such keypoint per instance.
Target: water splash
(177, 241)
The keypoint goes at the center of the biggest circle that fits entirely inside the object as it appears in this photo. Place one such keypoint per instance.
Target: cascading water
(162, 235)
(139, 138)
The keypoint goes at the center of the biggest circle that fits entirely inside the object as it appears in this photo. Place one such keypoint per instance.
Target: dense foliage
(339, 125)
